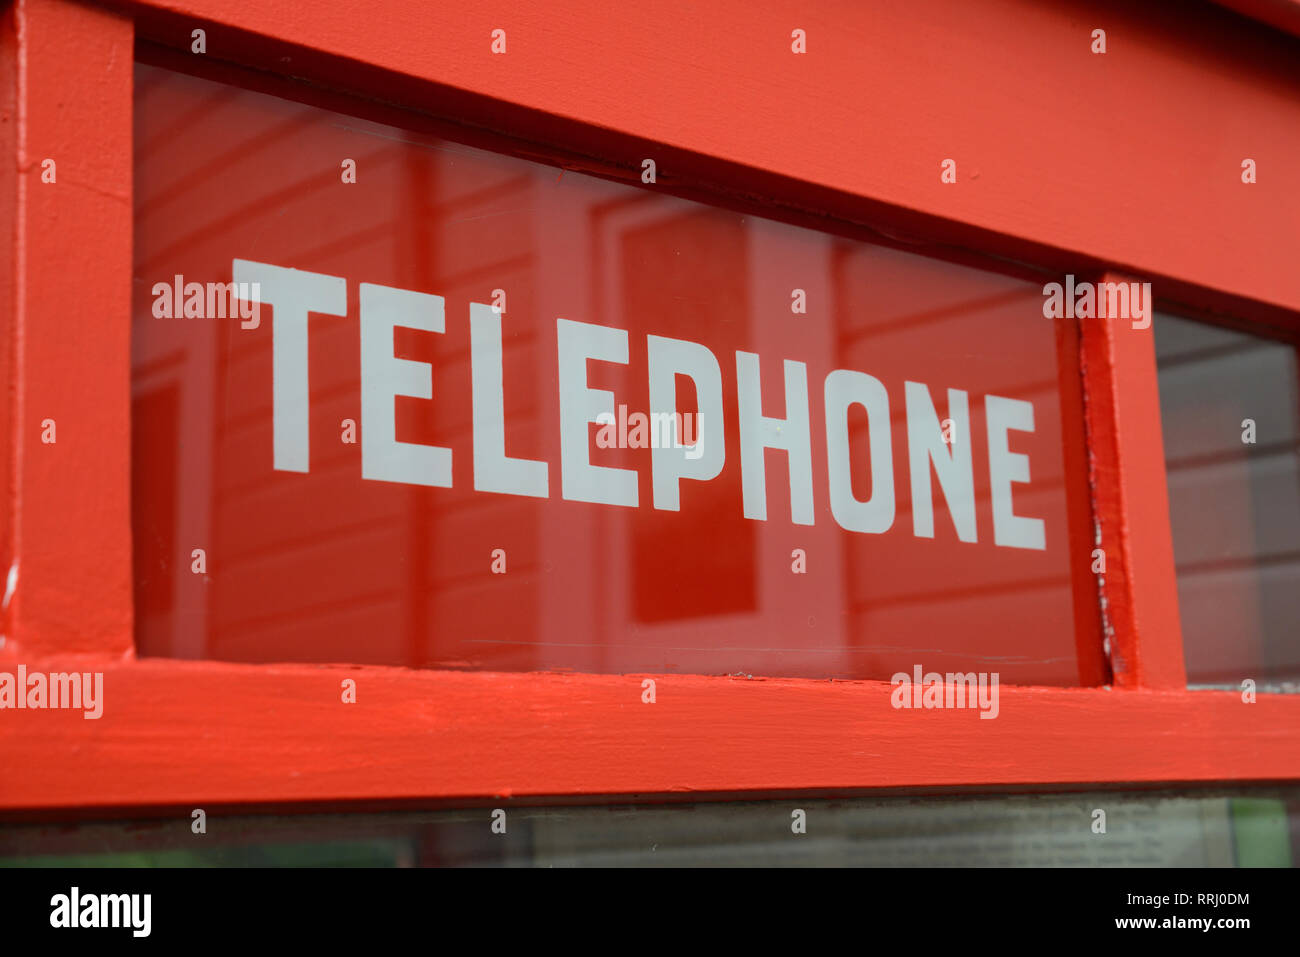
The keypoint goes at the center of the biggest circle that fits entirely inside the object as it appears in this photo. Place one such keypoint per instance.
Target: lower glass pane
(1220, 828)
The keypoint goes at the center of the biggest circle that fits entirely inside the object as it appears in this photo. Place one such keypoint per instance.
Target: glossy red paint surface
(179, 735)
(1127, 470)
(859, 125)
(855, 133)
(71, 276)
(332, 564)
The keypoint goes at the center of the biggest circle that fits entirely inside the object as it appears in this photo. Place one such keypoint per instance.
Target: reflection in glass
(236, 560)
(1248, 828)
(1229, 409)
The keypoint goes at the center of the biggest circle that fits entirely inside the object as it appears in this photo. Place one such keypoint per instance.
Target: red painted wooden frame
(856, 127)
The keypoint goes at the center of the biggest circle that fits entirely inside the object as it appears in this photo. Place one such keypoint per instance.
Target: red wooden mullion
(69, 501)
(1127, 471)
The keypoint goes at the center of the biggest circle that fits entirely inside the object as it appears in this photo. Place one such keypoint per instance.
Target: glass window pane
(1229, 411)
(1254, 827)
(352, 476)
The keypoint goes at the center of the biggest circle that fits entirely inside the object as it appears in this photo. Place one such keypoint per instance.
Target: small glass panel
(1230, 414)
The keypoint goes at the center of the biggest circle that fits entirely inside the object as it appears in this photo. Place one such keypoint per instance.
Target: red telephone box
(354, 354)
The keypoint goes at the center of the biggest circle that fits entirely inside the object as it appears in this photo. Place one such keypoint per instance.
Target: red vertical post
(1127, 470)
(69, 549)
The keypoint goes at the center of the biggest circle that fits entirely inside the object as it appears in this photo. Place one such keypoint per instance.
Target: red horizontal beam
(1053, 143)
(207, 734)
